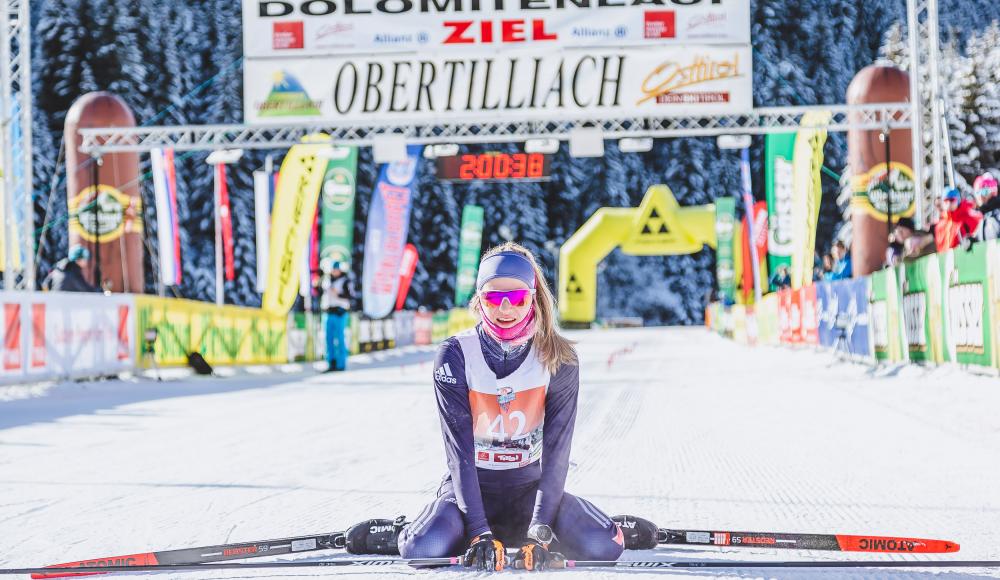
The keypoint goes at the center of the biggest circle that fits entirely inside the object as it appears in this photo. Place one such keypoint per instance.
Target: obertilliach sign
(481, 60)
(527, 84)
(293, 28)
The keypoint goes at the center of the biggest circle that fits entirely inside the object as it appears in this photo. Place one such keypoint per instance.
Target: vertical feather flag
(167, 226)
(226, 223)
(263, 187)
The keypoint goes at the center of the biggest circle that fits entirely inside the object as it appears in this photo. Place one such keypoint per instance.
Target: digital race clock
(494, 167)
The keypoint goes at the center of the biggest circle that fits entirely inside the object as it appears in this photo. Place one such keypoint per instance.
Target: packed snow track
(676, 425)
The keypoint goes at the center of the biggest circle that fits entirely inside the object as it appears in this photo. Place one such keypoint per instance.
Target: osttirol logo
(338, 188)
(872, 191)
(106, 221)
(288, 98)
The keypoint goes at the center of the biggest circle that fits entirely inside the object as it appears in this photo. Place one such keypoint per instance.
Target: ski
(96, 568)
(206, 554)
(569, 564)
(833, 542)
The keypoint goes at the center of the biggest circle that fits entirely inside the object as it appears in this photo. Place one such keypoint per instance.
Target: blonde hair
(554, 350)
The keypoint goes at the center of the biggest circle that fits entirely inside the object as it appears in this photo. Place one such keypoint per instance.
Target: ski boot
(640, 534)
(375, 536)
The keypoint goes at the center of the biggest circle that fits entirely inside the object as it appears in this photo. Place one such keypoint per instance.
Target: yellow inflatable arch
(658, 227)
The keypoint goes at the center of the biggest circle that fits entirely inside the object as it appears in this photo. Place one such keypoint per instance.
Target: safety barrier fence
(937, 309)
(54, 335)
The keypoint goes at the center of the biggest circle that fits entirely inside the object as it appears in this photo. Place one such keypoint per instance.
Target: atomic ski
(834, 542)
(206, 554)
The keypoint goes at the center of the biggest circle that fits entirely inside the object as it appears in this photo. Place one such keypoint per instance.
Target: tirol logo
(665, 82)
(872, 190)
(779, 217)
(659, 24)
(965, 311)
(106, 220)
(338, 188)
(507, 457)
(288, 98)
(288, 35)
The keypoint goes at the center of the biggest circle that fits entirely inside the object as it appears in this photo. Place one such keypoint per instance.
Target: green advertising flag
(778, 150)
(470, 244)
(337, 233)
(725, 223)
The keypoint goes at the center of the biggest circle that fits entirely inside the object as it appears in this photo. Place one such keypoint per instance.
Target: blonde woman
(507, 396)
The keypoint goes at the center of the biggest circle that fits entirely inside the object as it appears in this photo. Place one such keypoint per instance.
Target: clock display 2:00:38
(493, 166)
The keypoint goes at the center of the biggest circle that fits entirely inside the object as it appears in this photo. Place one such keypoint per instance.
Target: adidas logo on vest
(443, 374)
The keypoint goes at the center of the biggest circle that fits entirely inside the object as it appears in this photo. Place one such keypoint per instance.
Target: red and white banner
(225, 221)
(57, 335)
(351, 27)
(407, 266)
(167, 223)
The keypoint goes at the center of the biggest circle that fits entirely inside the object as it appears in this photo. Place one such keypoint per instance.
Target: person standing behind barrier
(988, 204)
(335, 302)
(842, 268)
(67, 276)
(959, 222)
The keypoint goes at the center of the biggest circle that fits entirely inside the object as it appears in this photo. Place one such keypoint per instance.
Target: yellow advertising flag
(807, 161)
(295, 200)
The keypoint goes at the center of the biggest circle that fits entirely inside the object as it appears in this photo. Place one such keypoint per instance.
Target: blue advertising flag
(385, 238)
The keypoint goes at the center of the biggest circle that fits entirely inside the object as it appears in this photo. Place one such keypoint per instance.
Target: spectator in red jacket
(959, 221)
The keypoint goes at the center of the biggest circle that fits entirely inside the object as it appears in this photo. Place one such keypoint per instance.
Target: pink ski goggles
(516, 298)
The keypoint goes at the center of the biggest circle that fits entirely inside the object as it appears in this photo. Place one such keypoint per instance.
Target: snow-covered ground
(682, 427)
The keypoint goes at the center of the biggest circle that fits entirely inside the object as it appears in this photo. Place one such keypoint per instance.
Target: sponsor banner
(785, 315)
(922, 309)
(739, 314)
(469, 247)
(337, 209)
(167, 224)
(725, 267)
(827, 303)
(543, 85)
(295, 201)
(888, 333)
(767, 319)
(226, 335)
(968, 306)
(439, 326)
(807, 160)
(263, 192)
(852, 299)
(385, 237)
(423, 325)
(809, 328)
(994, 276)
(403, 321)
(58, 335)
(778, 150)
(460, 320)
(326, 27)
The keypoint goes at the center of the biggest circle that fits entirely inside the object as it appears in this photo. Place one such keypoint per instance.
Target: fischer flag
(225, 222)
(407, 267)
(294, 209)
(167, 226)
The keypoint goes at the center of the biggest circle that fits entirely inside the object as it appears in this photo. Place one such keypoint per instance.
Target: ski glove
(485, 553)
(535, 556)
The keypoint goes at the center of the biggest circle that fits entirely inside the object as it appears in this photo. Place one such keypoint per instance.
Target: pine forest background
(181, 63)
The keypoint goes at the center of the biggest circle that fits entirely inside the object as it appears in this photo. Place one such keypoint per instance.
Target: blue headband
(505, 265)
